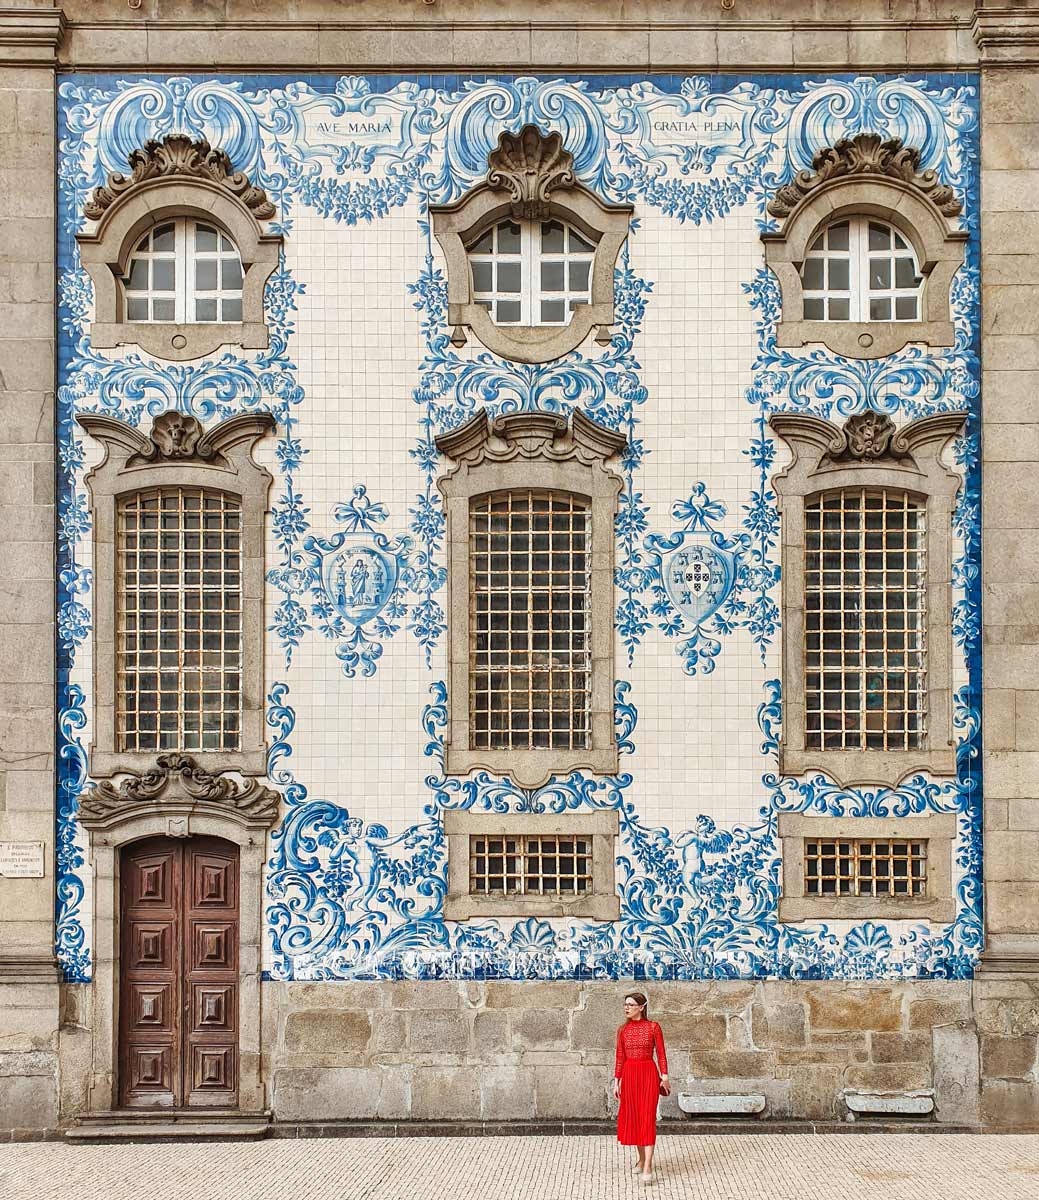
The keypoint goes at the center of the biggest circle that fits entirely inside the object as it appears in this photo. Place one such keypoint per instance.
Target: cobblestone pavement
(779, 1167)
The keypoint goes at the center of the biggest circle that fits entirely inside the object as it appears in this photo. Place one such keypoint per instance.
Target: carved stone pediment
(530, 165)
(177, 156)
(537, 434)
(177, 437)
(177, 784)
(866, 154)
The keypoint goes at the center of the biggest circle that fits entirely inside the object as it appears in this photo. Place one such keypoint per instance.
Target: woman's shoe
(646, 1177)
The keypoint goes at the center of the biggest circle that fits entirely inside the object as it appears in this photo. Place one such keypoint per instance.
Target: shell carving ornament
(177, 155)
(865, 154)
(530, 165)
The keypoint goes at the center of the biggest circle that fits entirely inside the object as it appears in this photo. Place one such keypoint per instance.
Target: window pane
(553, 312)
(880, 273)
(838, 236)
(138, 281)
(839, 310)
(905, 273)
(880, 310)
(137, 310)
(813, 275)
(162, 275)
(837, 270)
(205, 238)
(578, 244)
(231, 310)
(879, 237)
(551, 277)
(162, 310)
(162, 239)
(906, 308)
(231, 274)
(483, 277)
(205, 275)
(509, 277)
(508, 311)
(205, 310)
(813, 309)
(552, 237)
(484, 244)
(509, 238)
(579, 276)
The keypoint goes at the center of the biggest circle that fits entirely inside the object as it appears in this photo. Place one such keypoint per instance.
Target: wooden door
(178, 996)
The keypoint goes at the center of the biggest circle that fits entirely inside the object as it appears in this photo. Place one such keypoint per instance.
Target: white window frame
(860, 293)
(530, 259)
(185, 257)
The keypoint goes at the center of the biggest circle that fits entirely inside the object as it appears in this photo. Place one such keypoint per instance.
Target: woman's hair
(640, 1000)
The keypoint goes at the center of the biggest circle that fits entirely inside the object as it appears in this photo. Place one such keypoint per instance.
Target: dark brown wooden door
(178, 1022)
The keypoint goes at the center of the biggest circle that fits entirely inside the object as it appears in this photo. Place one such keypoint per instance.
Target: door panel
(178, 1043)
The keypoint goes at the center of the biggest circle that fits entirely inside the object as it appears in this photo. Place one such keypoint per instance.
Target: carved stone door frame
(242, 815)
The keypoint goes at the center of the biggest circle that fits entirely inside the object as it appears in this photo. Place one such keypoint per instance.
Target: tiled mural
(361, 376)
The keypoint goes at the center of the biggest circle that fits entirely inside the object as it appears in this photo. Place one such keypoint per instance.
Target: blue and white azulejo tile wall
(361, 376)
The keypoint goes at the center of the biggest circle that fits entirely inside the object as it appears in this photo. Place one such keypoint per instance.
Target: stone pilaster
(1006, 993)
(28, 975)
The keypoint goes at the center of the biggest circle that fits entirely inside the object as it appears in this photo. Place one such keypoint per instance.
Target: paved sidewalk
(733, 1167)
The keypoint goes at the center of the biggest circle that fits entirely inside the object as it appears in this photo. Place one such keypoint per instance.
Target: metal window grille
(865, 867)
(865, 618)
(860, 270)
(179, 620)
(530, 660)
(531, 865)
(184, 271)
(531, 272)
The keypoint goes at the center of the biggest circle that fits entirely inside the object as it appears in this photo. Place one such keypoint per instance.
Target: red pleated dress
(640, 1081)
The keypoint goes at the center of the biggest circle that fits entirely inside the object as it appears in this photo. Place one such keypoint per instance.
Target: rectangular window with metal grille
(179, 620)
(529, 632)
(865, 615)
(865, 867)
(530, 865)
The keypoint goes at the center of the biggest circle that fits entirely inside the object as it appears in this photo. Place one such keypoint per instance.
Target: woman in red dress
(637, 1082)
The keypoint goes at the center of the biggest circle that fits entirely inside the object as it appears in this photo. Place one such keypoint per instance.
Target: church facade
(525, 524)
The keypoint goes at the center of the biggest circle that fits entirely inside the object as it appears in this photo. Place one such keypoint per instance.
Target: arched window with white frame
(531, 272)
(861, 269)
(184, 271)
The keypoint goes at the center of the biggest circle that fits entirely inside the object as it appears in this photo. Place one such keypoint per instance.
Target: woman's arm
(621, 1056)
(658, 1040)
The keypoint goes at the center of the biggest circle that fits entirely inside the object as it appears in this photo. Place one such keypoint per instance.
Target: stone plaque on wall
(21, 860)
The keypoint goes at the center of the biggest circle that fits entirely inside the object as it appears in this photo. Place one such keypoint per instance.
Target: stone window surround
(127, 209)
(600, 904)
(938, 905)
(900, 201)
(220, 460)
(531, 450)
(550, 191)
(113, 821)
(868, 452)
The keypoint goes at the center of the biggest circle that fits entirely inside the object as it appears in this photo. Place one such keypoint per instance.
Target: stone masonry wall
(507, 1051)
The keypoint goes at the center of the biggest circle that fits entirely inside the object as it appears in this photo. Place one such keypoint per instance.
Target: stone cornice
(1007, 35)
(30, 36)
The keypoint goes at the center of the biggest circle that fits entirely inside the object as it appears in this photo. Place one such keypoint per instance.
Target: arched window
(865, 626)
(861, 269)
(865, 250)
(530, 652)
(530, 252)
(866, 574)
(531, 272)
(179, 620)
(184, 271)
(178, 253)
(179, 583)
